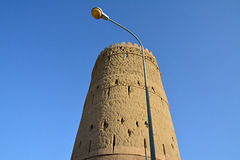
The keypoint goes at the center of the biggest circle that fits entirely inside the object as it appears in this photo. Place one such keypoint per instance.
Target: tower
(114, 122)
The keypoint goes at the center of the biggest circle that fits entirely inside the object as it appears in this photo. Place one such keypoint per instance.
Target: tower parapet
(114, 121)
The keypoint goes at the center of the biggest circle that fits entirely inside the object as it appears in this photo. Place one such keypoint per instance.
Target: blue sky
(48, 50)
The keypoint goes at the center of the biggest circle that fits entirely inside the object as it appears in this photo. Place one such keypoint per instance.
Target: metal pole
(152, 147)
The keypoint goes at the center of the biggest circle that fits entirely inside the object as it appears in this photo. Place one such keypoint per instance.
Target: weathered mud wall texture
(114, 122)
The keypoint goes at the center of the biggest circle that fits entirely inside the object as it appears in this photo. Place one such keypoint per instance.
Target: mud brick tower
(114, 122)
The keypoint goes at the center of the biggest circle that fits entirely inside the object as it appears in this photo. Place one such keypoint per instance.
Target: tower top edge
(128, 44)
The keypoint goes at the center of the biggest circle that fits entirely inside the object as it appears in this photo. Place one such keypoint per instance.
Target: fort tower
(114, 122)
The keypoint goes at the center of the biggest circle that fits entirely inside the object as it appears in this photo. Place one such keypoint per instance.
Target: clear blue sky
(48, 50)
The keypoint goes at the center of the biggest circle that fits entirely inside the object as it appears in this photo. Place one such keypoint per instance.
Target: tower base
(121, 153)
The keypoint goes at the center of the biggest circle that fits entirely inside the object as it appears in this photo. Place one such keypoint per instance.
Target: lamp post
(98, 13)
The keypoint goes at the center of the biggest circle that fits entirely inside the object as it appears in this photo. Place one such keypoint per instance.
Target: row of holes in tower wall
(138, 83)
(127, 55)
(108, 94)
(116, 83)
(128, 92)
(114, 139)
(126, 50)
(105, 126)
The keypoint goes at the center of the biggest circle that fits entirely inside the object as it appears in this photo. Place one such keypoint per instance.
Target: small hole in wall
(164, 151)
(105, 125)
(122, 121)
(79, 145)
(120, 47)
(108, 92)
(89, 149)
(126, 55)
(92, 98)
(138, 83)
(114, 142)
(145, 143)
(146, 123)
(91, 127)
(97, 87)
(116, 82)
(153, 89)
(108, 57)
(137, 124)
(129, 132)
(172, 139)
(112, 51)
(129, 90)
(150, 58)
(172, 146)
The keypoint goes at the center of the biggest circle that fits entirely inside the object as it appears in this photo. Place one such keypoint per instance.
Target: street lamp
(98, 13)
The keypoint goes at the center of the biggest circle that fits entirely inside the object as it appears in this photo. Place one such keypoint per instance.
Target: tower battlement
(126, 49)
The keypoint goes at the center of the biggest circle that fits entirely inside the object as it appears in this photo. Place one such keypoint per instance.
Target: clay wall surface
(114, 122)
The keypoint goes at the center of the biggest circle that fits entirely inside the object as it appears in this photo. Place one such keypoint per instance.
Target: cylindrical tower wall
(114, 121)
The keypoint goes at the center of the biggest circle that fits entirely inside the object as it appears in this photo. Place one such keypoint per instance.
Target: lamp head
(98, 13)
